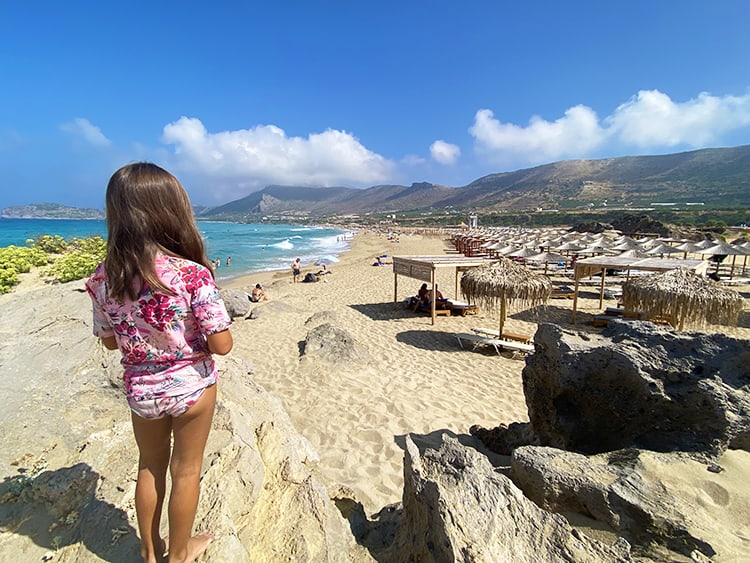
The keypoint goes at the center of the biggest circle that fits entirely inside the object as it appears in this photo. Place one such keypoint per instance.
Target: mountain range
(715, 178)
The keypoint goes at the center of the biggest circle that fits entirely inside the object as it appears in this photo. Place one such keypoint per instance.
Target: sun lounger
(496, 343)
(735, 281)
(438, 310)
(563, 292)
(461, 308)
(491, 333)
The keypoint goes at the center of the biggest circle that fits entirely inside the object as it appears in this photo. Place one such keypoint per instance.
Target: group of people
(310, 276)
(424, 298)
(382, 260)
(216, 263)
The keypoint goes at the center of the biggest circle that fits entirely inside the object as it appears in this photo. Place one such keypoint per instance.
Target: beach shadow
(432, 340)
(59, 508)
(561, 316)
(385, 311)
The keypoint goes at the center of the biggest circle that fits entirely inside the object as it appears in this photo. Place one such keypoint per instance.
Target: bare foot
(195, 547)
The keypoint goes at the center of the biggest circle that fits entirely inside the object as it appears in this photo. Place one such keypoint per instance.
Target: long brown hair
(148, 211)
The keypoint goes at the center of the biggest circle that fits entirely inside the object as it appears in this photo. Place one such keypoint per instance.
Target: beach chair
(461, 308)
(496, 343)
(441, 309)
(506, 335)
(562, 292)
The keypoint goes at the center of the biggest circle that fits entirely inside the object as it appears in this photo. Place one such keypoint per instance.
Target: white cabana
(424, 268)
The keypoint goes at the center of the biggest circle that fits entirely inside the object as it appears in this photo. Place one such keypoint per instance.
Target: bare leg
(190, 434)
(153, 439)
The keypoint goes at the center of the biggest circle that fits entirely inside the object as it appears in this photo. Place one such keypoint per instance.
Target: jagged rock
(457, 508)
(638, 385)
(591, 227)
(236, 301)
(639, 225)
(333, 344)
(504, 439)
(69, 460)
(622, 490)
(322, 317)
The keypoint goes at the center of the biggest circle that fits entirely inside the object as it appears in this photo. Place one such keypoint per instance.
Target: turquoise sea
(251, 247)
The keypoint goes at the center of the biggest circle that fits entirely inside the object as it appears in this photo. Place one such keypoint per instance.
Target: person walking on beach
(155, 299)
(296, 270)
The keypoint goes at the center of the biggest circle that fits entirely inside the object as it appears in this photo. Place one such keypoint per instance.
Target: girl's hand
(220, 342)
(110, 342)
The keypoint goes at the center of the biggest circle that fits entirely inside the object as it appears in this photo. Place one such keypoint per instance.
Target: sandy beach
(63, 406)
(417, 380)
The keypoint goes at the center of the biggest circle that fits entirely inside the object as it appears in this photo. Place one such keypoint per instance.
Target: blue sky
(233, 96)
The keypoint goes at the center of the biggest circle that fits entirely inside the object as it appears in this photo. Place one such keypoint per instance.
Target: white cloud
(650, 121)
(444, 153)
(82, 127)
(253, 158)
(541, 141)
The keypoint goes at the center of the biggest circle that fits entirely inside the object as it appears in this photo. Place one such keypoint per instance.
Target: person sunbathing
(258, 294)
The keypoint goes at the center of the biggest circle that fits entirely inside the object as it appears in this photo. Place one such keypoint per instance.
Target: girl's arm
(110, 342)
(220, 342)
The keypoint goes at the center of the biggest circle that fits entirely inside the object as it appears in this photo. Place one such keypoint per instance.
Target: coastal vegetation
(61, 260)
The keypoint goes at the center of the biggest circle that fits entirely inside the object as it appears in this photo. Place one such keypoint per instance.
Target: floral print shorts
(164, 406)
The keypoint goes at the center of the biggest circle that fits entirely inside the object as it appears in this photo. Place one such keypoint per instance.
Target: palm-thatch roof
(684, 296)
(494, 285)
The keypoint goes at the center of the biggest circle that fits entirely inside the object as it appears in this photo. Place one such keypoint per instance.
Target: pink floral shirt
(162, 337)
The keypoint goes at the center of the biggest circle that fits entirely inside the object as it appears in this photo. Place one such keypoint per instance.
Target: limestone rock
(638, 385)
(457, 508)
(69, 459)
(632, 492)
(333, 344)
(236, 301)
(503, 439)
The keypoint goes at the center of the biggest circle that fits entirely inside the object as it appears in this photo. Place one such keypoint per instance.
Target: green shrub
(52, 244)
(16, 260)
(80, 259)
(8, 278)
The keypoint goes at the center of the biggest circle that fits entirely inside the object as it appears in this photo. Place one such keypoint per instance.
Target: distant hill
(716, 178)
(50, 211)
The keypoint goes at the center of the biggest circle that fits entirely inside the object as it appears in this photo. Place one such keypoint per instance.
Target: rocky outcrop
(236, 301)
(638, 385)
(333, 344)
(69, 461)
(458, 508)
(617, 489)
(503, 439)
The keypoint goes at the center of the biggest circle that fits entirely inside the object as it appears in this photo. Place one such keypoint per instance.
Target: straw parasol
(495, 285)
(684, 297)
(548, 258)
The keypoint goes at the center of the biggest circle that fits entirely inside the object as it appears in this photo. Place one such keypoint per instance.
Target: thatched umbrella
(548, 258)
(684, 297)
(720, 250)
(495, 285)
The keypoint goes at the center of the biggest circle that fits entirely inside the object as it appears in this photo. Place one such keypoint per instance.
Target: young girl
(155, 299)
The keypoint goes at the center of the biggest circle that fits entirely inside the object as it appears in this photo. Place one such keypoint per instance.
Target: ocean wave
(284, 244)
